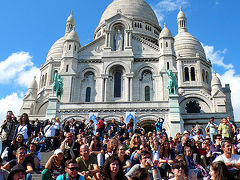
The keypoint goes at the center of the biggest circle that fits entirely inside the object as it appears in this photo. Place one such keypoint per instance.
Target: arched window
(69, 47)
(192, 73)
(67, 68)
(186, 74)
(193, 107)
(206, 76)
(88, 94)
(166, 44)
(167, 65)
(42, 84)
(117, 84)
(203, 75)
(147, 93)
(45, 81)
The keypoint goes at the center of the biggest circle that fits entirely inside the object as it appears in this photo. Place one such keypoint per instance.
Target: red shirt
(100, 124)
(201, 151)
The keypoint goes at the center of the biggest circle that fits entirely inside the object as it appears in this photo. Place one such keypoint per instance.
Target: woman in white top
(23, 127)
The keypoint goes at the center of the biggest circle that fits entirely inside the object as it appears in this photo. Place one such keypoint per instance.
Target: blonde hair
(132, 141)
(109, 145)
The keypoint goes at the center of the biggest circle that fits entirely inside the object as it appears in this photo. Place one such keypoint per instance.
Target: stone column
(105, 89)
(181, 70)
(175, 121)
(53, 106)
(128, 39)
(198, 72)
(157, 88)
(129, 88)
(125, 88)
(108, 41)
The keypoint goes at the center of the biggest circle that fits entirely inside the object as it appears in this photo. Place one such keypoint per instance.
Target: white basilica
(124, 70)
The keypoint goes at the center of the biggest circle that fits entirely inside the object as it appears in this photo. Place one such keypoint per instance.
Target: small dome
(72, 36)
(165, 32)
(56, 50)
(181, 14)
(137, 9)
(215, 80)
(33, 84)
(71, 19)
(186, 45)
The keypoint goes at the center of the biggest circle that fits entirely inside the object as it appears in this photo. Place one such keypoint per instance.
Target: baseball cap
(57, 151)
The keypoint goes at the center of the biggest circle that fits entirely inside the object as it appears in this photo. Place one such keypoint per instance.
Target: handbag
(3, 135)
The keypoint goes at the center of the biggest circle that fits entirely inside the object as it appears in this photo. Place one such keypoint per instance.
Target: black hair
(229, 140)
(140, 174)
(70, 161)
(106, 168)
(145, 153)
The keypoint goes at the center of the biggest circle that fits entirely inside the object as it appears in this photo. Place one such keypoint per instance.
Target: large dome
(137, 9)
(56, 50)
(186, 45)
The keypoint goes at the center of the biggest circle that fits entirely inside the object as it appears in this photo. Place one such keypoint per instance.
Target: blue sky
(29, 28)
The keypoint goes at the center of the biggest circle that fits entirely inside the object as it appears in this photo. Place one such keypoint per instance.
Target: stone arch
(124, 23)
(145, 77)
(42, 108)
(118, 63)
(76, 117)
(143, 67)
(88, 80)
(108, 118)
(147, 122)
(92, 68)
(204, 103)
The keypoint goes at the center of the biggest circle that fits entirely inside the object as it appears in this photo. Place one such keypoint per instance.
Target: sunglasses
(73, 168)
(178, 167)
(22, 153)
(136, 137)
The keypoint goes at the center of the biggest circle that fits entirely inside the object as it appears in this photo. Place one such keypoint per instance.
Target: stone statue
(57, 85)
(118, 40)
(172, 82)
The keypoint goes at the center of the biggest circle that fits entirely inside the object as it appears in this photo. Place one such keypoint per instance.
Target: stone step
(36, 176)
(45, 157)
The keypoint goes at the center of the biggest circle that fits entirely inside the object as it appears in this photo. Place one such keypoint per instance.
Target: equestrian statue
(57, 85)
(172, 82)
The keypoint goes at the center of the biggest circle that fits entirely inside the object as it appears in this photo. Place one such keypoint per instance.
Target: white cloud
(165, 6)
(25, 77)
(216, 57)
(18, 67)
(11, 102)
(228, 77)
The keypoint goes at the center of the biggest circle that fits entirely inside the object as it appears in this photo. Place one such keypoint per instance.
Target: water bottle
(100, 160)
(155, 156)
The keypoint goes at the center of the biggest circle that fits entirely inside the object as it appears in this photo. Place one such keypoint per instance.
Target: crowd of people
(117, 150)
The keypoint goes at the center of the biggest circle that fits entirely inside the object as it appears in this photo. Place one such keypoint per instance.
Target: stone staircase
(45, 156)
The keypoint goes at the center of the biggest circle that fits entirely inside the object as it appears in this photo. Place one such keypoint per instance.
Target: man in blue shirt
(71, 167)
(159, 124)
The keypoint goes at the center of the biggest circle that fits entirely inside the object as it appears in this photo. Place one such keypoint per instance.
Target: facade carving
(124, 69)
